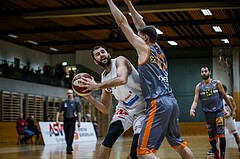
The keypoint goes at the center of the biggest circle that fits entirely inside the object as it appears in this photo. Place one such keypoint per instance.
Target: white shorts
(231, 125)
(130, 117)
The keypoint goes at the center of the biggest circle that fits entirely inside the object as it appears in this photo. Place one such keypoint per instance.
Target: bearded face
(104, 61)
(102, 57)
(205, 73)
(205, 77)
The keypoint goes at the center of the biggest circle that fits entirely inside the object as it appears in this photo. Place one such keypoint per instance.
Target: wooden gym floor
(87, 150)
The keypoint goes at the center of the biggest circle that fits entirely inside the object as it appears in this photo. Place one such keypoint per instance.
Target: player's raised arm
(135, 40)
(136, 17)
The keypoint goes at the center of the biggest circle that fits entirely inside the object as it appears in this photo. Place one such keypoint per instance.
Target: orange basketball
(79, 87)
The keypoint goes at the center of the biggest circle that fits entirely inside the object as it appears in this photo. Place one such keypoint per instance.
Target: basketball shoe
(216, 154)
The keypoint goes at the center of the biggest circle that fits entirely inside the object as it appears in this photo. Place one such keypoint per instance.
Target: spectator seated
(33, 127)
(20, 136)
(23, 129)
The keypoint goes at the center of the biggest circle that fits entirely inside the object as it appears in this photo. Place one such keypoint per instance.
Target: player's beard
(205, 77)
(108, 63)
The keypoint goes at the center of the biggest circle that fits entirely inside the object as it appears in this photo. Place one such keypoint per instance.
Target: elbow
(122, 22)
(105, 112)
(122, 81)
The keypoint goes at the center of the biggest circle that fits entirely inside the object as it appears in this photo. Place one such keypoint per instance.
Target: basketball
(78, 87)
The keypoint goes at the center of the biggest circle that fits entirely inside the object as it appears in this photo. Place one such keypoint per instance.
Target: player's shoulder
(120, 58)
(217, 81)
(199, 84)
(229, 96)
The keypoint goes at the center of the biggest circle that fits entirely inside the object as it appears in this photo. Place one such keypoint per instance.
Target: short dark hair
(205, 66)
(224, 87)
(149, 30)
(97, 47)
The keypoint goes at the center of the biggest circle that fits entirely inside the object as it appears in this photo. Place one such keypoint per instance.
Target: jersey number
(161, 62)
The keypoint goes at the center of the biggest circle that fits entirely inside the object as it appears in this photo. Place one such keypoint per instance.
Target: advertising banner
(53, 133)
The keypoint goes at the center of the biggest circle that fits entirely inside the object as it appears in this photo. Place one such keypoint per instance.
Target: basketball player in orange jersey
(210, 93)
(162, 109)
(121, 80)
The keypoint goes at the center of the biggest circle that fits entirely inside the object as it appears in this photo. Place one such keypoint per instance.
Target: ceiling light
(53, 49)
(13, 36)
(225, 41)
(32, 42)
(217, 29)
(172, 43)
(64, 63)
(159, 31)
(206, 12)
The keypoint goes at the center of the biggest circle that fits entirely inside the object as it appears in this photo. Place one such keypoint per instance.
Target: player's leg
(222, 147)
(230, 124)
(173, 133)
(213, 143)
(237, 140)
(114, 131)
(148, 156)
(154, 128)
(133, 152)
(104, 152)
(212, 132)
(221, 133)
(184, 152)
(137, 126)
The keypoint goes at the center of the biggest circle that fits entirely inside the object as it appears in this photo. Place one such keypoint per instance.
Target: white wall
(9, 51)
(220, 70)
(31, 88)
(59, 58)
(84, 57)
(131, 55)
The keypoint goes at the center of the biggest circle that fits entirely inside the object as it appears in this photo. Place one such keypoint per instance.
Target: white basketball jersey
(128, 95)
(226, 108)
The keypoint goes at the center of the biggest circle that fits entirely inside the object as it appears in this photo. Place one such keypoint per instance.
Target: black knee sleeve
(133, 152)
(222, 146)
(214, 144)
(114, 131)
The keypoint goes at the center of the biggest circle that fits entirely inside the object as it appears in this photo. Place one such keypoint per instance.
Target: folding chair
(20, 135)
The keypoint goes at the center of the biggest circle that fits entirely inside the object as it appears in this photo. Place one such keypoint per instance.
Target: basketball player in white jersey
(230, 122)
(121, 80)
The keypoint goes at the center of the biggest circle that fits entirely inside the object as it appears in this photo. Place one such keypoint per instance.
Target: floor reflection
(59, 151)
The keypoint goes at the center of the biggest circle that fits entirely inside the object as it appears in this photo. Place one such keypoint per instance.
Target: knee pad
(114, 131)
(133, 152)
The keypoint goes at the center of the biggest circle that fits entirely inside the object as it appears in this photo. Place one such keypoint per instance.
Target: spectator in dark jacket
(33, 127)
